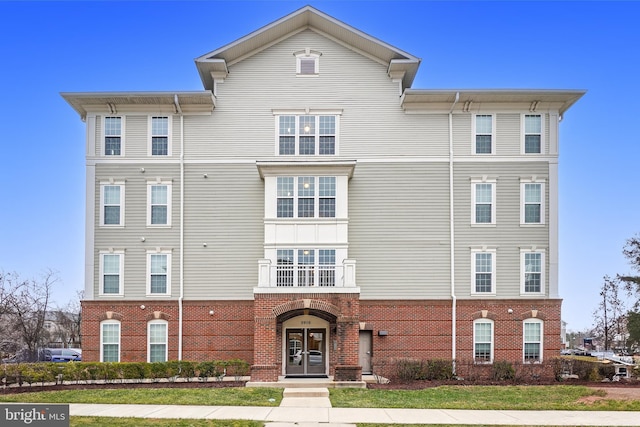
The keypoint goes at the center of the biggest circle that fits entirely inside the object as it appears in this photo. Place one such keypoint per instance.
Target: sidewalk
(313, 408)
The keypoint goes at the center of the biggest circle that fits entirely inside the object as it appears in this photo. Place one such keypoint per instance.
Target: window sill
(483, 294)
(482, 225)
(158, 295)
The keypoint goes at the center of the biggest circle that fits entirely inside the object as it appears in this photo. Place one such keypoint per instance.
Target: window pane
(327, 186)
(327, 125)
(112, 215)
(112, 146)
(158, 284)
(158, 194)
(111, 264)
(158, 215)
(483, 282)
(159, 146)
(159, 271)
(306, 192)
(532, 282)
(288, 125)
(483, 332)
(327, 145)
(111, 194)
(158, 264)
(157, 352)
(532, 124)
(305, 208)
(110, 342)
(532, 144)
(484, 263)
(483, 214)
(327, 208)
(484, 193)
(307, 125)
(110, 352)
(285, 267)
(483, 144)
(285, 208)
(307, 145)
(531, 352)
(533, 262)
(308, 66)
(532, 214)
(533, 193)
(287, 145)
(532, 332)
(484, 124)
(285, 186)
(160, 126)
(111, 284)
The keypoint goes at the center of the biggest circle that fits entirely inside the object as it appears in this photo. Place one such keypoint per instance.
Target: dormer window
(307, 63)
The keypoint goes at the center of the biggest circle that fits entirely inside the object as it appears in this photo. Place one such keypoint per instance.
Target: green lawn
(149, 422)
(558, 397)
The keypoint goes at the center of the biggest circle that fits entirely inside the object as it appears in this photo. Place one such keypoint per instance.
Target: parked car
(63, 355)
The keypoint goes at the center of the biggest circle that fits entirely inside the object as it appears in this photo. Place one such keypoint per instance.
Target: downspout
(181, 297)
(452, 237)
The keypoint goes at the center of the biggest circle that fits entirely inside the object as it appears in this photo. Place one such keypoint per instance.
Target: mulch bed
(72, 386)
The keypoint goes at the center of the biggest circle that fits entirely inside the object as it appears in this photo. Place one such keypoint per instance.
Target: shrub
(238, 368)
(503, 371)
(439, 369)
(410, 369)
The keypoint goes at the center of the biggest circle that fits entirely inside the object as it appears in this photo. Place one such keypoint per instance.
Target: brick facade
(252, 330)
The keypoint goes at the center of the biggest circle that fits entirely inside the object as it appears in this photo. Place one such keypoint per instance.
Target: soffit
(114, 102)
(473, 99)
(308, 17)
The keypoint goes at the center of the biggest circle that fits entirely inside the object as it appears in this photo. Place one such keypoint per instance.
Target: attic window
(307, 63)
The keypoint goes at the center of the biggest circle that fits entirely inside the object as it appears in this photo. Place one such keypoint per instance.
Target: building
(229, 222)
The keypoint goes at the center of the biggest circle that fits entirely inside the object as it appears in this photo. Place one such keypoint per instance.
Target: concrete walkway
(311, 407)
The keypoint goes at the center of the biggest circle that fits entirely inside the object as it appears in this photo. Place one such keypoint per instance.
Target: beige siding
(399, 232)
(507, 235)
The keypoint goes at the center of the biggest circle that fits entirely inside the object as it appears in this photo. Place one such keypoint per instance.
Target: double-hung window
(483, 195)
(532, 202)
(113, 127)
(112, 204)
(484, 134)
(306, 267)
(306, 197)
(160, 127)
(158, 274)
(157, 341)
(110, 341)
(483, 267)
(159, 204)
(532, 135)
(483, 341)
(532, 340)
(307, 135)
(532, 272)
(111, 273)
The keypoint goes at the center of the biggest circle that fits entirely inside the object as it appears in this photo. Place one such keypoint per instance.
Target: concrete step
(305, 392)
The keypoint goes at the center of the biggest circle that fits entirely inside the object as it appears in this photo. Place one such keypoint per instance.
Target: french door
(306, 352)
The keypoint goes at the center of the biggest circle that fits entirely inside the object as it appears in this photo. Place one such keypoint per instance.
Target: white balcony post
(349, 272)
(264, 273)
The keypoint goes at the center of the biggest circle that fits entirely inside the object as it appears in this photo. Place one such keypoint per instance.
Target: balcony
(318, 277)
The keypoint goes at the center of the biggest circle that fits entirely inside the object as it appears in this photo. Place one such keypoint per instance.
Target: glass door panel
(295, 350)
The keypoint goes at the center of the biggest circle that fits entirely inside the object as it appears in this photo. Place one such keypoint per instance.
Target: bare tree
(67, 322)
(610, 316)
(26, 304)
(631, 251)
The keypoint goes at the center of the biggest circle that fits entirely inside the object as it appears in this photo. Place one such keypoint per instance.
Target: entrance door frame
(307, 323)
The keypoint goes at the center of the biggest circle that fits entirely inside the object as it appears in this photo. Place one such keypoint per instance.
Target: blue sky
(53, 47)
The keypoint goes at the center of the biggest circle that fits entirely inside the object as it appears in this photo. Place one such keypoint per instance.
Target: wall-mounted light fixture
(142, 239)
(205, 175)
(510, 311)
(142, 307)
(210, 312)
(141, 170)
(383, 333)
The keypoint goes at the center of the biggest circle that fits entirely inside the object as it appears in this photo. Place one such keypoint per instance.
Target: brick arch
(534, 314)
(484, 314)
(302, 304)
(111, 315)
(155, 315)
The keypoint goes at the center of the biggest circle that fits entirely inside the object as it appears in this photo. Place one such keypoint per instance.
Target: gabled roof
(400, 63)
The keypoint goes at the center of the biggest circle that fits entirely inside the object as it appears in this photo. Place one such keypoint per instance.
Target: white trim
(120, 254)
(474, 252)
(150, 135)
(542, 133)
(493, 328)
(166, 253)
(523, 183)
(103, 135)
(102, 204)
(493, 183)
(541, 323)
(474, 133)
(166, 338)
(542, 271)
(89, 234)
(316, 114)
(553, 230)
(110, 322)
(307, 55)
(150, 185)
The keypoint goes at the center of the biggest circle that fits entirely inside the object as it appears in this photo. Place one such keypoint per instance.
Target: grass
(481, 397)
(228, 396)
(541, 398)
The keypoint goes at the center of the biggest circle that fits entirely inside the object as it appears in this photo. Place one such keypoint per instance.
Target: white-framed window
(110, 341)
(306, 267)
(483, 196)
(532, 134)
(113, 131)
(306, 197)
(532, 202)
(483, 341)
(484, 139)
(112, 204)
(483, 271)
(158, 204)
(157, 338)
(159, 135)
(533, 333)
(307, 135)
(532, 273)
(307, 63)
(111, 273)
(159, 273)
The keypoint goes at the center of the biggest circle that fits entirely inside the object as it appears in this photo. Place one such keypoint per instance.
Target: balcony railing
(306, 276)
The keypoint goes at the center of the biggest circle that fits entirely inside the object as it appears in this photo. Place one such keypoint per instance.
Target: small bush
(439, 369)
(503, 371)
